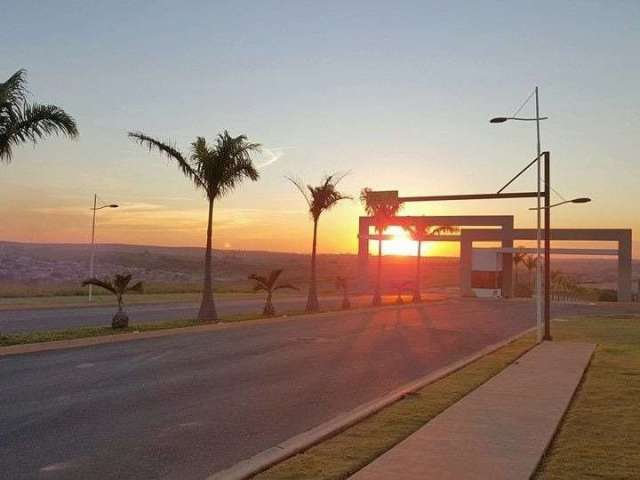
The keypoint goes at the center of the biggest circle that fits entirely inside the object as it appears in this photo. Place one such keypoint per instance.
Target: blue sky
(398, 93)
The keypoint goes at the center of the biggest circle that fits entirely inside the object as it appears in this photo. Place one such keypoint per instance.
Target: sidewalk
(498, 431)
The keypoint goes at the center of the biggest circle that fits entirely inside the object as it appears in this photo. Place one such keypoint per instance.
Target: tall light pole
(538, 209)
(93, 238)
(547, 241)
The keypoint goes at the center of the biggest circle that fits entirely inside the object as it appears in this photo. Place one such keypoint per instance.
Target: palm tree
(382, 212)
(342, 284)
(268, 284)
(217, 170)
(400, 287)
(518, 258)
(319, 199)
(530, 262)
(118, 285)
(22, 122)
(419, 233)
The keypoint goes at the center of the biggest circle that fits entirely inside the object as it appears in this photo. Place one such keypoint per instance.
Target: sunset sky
(397, 93)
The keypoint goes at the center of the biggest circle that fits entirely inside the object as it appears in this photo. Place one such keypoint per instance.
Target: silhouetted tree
(342, 284)
(21, 121)
(419, 234)
(268, 284)
(319, 199)
(217, 170)
(382, 211)
(118, 285)
(518, 258)
(400, 287)
(530, 262)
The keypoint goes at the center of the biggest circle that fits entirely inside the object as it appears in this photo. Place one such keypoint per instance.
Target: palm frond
(302, 188)
(106, 284)
(322, 197)
(259, 279)
(136, 287)
(13, 92)
(32, 123)
(170, 152)
(273, 277)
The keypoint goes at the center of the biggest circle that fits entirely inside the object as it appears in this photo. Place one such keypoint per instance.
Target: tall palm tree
(216, 170)
(118, 285)
(419, 233)
(382, 212)
(21, 121)
(269, 285)
(319, 199)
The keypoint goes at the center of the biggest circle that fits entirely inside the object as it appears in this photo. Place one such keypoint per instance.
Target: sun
(402, 243)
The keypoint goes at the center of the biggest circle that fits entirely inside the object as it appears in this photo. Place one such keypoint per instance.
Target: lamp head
(581, 200)
(498, 120)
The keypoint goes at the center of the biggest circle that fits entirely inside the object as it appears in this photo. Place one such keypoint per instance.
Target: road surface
(188, 405)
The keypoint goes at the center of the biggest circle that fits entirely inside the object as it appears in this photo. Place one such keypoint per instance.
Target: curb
(127, 337)
(303, 441)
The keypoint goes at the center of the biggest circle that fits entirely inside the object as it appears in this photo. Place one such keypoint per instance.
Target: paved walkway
(498, 431)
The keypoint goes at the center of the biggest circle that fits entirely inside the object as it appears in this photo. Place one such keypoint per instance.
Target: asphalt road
(28, 320)
(188, 405)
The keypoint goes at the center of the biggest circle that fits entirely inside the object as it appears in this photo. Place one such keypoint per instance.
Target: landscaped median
(598, 437)
(84, 336)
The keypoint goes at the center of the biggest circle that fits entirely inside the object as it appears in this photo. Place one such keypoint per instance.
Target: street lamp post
(539, 208)
(93, 238)
(547, 240)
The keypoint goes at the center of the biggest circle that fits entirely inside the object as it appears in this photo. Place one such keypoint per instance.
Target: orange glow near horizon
(403, 245)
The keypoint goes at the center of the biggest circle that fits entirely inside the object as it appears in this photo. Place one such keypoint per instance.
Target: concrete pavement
(500, 430)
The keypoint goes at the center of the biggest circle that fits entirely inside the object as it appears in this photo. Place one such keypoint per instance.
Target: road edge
(303, 441)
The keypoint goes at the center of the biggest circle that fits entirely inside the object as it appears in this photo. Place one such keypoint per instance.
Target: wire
(523, 104)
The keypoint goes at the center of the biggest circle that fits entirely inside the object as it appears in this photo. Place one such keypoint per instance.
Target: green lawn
(600, 435)
(87, 332)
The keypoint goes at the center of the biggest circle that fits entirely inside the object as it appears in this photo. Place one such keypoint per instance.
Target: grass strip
(349, 451)
(88, 332)
(100, 331)
(600, 434)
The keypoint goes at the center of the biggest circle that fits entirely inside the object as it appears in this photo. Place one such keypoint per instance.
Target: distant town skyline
(400, 96)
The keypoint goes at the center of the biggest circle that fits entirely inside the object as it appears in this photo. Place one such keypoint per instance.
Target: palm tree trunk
(207, 311)
(416, 294)
(312, 301)
(269, 310)
(377, 298)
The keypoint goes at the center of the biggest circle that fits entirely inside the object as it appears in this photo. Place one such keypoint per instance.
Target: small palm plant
(118, 285)
(383, 213)
(342, 284)
(269, 285)
(400, 287)
(319, 199)
(22, 122)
